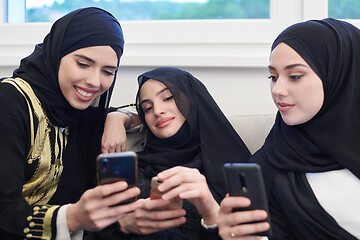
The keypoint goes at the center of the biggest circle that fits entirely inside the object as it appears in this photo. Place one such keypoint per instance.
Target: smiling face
(86, 73)
(161, 112)
(296, 89)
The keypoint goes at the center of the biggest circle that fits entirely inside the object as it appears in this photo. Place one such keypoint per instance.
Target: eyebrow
(93, 61)
(289, 66)
(157, 94)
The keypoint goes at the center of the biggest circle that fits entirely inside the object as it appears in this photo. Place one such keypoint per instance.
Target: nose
(158, 109)
(94, 79)
(279, 88)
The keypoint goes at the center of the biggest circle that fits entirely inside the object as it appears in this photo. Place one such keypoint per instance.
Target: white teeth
(83, 93)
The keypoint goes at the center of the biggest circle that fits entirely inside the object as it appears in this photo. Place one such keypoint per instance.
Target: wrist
(208, 226)
(122, 225)
(212, 214)
(72, 223)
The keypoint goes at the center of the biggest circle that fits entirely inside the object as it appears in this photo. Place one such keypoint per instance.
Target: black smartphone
(121, 166)
(245, 179)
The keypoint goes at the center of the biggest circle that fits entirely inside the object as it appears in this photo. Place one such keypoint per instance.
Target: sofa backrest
(253, 129)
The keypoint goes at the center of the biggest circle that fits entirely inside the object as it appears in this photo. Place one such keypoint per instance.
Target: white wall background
(229, 57)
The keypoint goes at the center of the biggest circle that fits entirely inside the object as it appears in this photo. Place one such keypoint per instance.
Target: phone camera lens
(105, 163)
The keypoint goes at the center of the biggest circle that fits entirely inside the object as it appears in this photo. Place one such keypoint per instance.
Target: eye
(146, 107)
(296, 77)
(146, 110)
(273, 78)
(108, 73)
(81, 64)
(169, 98)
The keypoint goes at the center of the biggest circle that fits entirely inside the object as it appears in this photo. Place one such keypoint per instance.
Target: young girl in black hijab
(310, 159)
(188, 141)
(52, 115)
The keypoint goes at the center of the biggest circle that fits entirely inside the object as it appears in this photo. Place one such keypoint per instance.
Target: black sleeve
(17, 218)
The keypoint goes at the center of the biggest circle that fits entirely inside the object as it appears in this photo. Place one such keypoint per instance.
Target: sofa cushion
(253, 129)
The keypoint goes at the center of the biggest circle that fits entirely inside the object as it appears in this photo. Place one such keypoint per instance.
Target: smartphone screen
(113, 167)
(245, 179)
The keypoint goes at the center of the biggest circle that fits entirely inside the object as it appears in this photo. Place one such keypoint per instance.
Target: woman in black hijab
(188, 141)
(52, 116)
(310, 161)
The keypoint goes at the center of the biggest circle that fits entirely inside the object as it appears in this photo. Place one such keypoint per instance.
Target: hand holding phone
(113, 167)
(175, 203)
(245, 179)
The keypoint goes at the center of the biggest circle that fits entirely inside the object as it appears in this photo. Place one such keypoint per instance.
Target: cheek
(317, 100)
(68, 75)
(182, 118)
(314, 94)
(272, 84)
(148, 120)
(106, 83)
(63, 81)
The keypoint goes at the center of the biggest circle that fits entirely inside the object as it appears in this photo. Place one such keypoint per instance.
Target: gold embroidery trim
(39, 223)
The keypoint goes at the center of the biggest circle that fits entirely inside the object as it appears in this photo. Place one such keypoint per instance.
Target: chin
(290, 121)
(294, 121)
(80, 106)
(164, 135)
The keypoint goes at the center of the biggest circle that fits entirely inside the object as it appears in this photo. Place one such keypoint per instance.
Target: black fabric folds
(330, 140)
(205, 141)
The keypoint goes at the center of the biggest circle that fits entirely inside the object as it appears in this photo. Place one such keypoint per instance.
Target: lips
(85, 93)
(164, 122)
(284, 107)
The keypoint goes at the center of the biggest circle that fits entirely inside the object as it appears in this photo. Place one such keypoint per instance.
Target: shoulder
(13, 105)
(10, 95)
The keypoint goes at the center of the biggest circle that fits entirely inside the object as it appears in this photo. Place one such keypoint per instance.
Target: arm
(236, 224)
(19, 219)
(14, 146)
(23, 214)
(114, 136)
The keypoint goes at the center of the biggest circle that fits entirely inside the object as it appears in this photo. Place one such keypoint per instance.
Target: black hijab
(79, 29)
(330, 140)
(205, 141)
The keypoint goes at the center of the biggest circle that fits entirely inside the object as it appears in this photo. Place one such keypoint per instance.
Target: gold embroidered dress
(43, 183)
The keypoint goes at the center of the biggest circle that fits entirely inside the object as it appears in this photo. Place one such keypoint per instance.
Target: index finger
(108, 189)
(228, 203)
(169, 172)
(150, 204)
